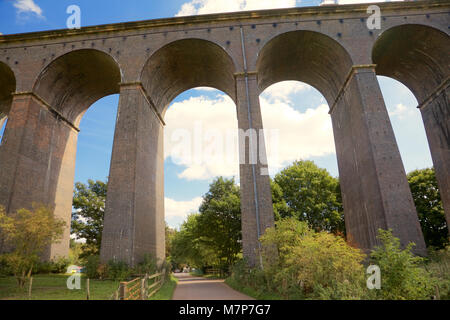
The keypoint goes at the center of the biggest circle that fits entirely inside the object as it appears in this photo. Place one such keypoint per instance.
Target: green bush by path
(300, 263)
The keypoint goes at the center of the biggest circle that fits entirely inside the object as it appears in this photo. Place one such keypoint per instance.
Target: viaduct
(49, 79)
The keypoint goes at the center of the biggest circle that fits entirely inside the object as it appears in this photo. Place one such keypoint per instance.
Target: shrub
(324, 265)
(148, 265)
(60, 265)
(439, 266)
(102, 271)
(119, 270)
(311, 264)
(5, 269)
(43, 267)
(92, 264)
(403, 275)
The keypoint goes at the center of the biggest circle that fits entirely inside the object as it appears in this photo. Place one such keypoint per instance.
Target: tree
(29, 233)
(428, 202)
(170, 234)
(219, 221)
(280, 207)
(312, 195)
(87, 218)
(188, 248)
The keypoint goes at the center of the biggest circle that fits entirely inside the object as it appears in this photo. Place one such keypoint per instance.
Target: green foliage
(87, 218)
(119, 270)
(311, 264)
(280, 207)
(75, 252)
(306, 265)
(219, 221)
(439, 266)
(170, 234)
(29, 233)
(149, 265)
(425, 192)
(310, 194)
(211, 237)
(92, 266)
(187, 247)
(403, 275)
(59, 265)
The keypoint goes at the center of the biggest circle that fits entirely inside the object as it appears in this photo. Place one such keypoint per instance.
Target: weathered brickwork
(49, 79)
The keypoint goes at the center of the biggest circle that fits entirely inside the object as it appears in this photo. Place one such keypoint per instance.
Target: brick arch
(71, 83)
(305, 56)
(185, 64)
(7, 87)
(416, 55)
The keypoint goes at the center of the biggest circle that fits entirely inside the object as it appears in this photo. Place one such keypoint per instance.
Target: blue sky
(297, 108)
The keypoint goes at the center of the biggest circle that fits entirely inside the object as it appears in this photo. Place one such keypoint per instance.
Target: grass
(53, 287)
(167, 290)
(258, 295)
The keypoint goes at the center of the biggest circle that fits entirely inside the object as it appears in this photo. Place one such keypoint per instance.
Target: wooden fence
(140, 288)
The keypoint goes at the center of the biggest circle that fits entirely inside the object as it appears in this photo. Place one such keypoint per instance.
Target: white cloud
(282, 91)
(177, 211)
(362, 1)
(401, 111)
(201, 132)
(196, 7)
(27, 7)
(196, 133)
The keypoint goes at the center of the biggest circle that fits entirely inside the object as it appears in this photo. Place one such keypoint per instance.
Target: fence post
(123, 291)
(88, 290)
(29, 287)
(143, 291)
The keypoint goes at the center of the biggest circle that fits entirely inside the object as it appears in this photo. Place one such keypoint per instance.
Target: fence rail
(140, 288)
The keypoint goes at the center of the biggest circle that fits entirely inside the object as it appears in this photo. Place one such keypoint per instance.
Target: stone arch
(305, 56)
(416, 55)
(185, 64)
(74, 81)
(7, 88)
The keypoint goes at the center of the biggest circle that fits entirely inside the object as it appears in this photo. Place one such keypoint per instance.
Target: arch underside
(187, 64)
(74, 81)
(7, 88)
(304, 56)
(416, 55)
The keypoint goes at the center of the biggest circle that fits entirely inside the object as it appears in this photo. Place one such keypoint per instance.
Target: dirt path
(197, 288)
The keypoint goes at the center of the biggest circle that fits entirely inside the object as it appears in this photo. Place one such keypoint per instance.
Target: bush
(403, 275)
(60, 265)
(149, 265)
(320, 265)
(311, 264)
(5, 269)
(324, 265)
(439, 266)
(91, 267)
(119, 270)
